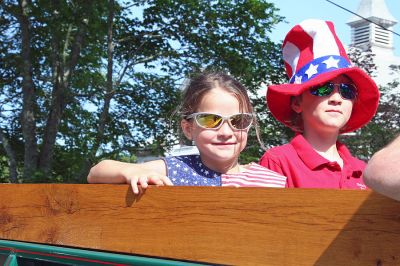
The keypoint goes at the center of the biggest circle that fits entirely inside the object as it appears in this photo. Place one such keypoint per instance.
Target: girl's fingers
(134, 185)
(160, 180)
(143, 181)
(156, 180)
(167, 181)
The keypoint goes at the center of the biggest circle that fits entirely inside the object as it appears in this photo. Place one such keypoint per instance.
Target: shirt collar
(307, 153)
(313, 160)
(310, 157)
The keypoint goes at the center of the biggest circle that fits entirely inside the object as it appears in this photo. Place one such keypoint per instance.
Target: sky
(296, 11)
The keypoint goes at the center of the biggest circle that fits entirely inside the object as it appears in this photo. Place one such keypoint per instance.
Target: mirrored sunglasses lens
(241, 121)
(348, 91)
(325, 90)
(208, 120)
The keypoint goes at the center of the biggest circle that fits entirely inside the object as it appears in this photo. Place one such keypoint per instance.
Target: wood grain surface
(235, 226)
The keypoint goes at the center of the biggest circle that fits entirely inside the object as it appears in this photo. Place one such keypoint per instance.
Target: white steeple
(373, 28)
(364, 32)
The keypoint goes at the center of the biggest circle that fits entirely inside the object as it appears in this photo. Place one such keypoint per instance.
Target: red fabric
(305, 168)
(342, 51)
(303, 41)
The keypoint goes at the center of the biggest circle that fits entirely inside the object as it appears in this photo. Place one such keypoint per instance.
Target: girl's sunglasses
(240, 121)
(347, 91)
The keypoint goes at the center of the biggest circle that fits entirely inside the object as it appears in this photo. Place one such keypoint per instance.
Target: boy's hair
(201, 84)
(296, 122)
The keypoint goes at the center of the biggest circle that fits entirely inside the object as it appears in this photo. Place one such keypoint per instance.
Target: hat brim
(364, 108)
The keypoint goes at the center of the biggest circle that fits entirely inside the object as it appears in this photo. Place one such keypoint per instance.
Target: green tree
(363, 59)
(385, 124)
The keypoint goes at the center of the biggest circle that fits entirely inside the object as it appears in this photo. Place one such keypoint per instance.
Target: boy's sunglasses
(347, 91)
(240, 121)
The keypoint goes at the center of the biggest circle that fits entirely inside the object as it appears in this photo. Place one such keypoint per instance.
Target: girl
(216, 115)
(326, 96)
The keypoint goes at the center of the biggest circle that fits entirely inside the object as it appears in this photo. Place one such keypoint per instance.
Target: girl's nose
(225, 129)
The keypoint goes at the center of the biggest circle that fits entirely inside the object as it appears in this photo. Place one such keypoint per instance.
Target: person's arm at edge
(382, 173)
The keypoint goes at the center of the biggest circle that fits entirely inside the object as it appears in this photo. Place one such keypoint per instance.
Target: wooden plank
(245, 226)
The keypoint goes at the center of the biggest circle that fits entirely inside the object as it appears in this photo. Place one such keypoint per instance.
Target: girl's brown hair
(203, 83)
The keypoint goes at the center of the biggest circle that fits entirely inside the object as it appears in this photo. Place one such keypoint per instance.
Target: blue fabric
(188, 170)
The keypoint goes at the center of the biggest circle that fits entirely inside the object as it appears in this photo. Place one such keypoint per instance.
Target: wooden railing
(241, 226)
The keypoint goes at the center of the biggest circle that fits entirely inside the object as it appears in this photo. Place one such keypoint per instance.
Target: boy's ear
(295, 104)
(187, 128)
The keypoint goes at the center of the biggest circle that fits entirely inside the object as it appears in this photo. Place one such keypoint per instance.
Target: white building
(365, 33)
(179, 150)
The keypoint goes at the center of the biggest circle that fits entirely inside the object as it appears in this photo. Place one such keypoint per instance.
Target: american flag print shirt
(190, 171)
(254, 175)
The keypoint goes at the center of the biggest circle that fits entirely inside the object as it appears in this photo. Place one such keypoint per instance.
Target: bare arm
(113, 172)
(383, 170)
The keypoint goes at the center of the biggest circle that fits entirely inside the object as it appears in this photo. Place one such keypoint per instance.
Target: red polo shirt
(305, 168)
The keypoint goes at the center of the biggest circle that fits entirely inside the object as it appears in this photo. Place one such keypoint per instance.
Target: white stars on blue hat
(311, 71)
(297, 80)
(319, 66)
(331, 62)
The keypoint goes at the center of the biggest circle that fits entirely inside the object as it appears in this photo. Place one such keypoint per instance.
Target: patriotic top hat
(313, 55)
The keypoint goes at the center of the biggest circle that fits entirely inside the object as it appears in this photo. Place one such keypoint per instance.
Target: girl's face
(217, 146)
(326, 113)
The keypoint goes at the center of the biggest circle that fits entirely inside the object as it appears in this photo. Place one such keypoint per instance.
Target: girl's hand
(145, 180)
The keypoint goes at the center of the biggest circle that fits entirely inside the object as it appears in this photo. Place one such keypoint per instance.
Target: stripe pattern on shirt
(254, 175)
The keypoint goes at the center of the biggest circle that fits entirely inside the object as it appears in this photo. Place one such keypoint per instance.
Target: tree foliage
(385, 124)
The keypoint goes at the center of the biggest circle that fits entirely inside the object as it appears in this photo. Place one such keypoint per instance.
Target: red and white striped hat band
(312, 48)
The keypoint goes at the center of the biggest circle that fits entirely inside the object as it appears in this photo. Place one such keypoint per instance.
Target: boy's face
(324, 113)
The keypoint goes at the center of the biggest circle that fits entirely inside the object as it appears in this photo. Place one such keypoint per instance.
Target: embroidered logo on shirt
(361, 186)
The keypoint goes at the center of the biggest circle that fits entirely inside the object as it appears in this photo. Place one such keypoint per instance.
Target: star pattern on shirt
(190, 171)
